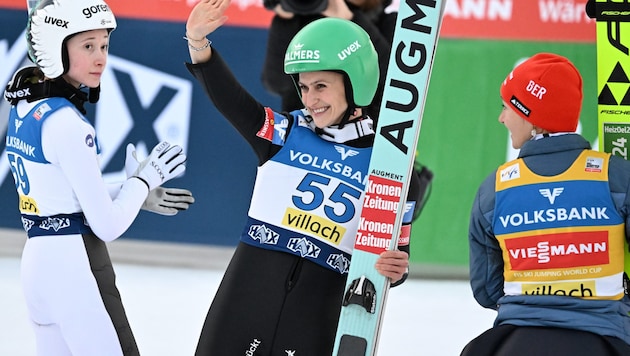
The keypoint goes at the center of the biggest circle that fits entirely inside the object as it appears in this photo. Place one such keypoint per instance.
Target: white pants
(63, 299)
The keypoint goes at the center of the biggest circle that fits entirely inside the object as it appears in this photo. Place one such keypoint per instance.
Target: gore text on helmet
(93, 10)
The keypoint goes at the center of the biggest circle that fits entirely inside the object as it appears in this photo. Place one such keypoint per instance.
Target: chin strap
(25, 86)
(94, 94)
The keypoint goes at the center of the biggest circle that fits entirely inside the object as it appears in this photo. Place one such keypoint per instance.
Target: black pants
(103, 272)
(511, 340)
(271, 303)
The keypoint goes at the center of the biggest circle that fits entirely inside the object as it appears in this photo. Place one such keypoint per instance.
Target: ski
(612, 27)
(613, 59)
(407, 80)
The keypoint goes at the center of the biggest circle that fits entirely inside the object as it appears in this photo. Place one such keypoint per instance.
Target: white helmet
(53, 21)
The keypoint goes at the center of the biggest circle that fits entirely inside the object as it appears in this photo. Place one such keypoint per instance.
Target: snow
(166, 307)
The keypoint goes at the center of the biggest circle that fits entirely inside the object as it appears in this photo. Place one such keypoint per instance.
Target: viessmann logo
(562, 250)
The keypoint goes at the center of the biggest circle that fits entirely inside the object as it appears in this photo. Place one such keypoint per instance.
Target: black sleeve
(242, 110)
(419, 187)
(419, 191)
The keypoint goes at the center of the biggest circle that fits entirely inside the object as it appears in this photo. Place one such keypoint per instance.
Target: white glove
(168, 201)
(165, 162)
(164, 201)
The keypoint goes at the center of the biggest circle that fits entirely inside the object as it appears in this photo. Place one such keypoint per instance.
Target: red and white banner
(534, 20)
(530, 20)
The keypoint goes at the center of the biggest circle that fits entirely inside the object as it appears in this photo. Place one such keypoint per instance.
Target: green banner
(462, 141)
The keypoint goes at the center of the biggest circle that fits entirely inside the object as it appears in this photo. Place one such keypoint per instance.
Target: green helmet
(336, 44)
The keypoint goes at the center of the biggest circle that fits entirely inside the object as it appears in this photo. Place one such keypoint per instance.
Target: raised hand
(205, 18)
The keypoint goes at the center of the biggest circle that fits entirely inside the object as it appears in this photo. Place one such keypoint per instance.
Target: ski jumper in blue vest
(562, 240)
(25, 153)
(307, 197)
(283, 288)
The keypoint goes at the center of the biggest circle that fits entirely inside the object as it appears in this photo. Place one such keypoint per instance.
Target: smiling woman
(297, 242)
(323, 95)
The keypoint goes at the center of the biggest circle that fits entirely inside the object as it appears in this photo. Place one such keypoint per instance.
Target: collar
(32, 91)
(544, 135)
(360, 127)
(558, 143)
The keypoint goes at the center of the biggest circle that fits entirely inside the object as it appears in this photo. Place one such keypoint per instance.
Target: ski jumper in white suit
(67, 209)
(69, 213)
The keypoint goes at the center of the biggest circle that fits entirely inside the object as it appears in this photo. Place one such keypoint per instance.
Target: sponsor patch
(510, 172)
(89, 140)
(263, 234)
(582, 289)
(313, 225)
(339, 262)
(405, 235)
(303, 247)
(28, 205)
(266, 131)
(562, 250)
(518, 105)
(27, 224)
(54, 223)
(41, 110)
(594, 164)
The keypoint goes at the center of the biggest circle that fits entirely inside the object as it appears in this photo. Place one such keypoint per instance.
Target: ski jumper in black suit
(277, 300)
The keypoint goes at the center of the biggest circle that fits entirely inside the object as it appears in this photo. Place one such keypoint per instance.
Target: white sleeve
(68, 141)
(114, 189)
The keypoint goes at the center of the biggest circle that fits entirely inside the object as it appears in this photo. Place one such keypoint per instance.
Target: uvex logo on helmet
(56, 22)
(93, 10)
(353, 47)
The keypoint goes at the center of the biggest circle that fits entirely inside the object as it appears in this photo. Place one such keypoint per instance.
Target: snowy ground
(166, 307)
